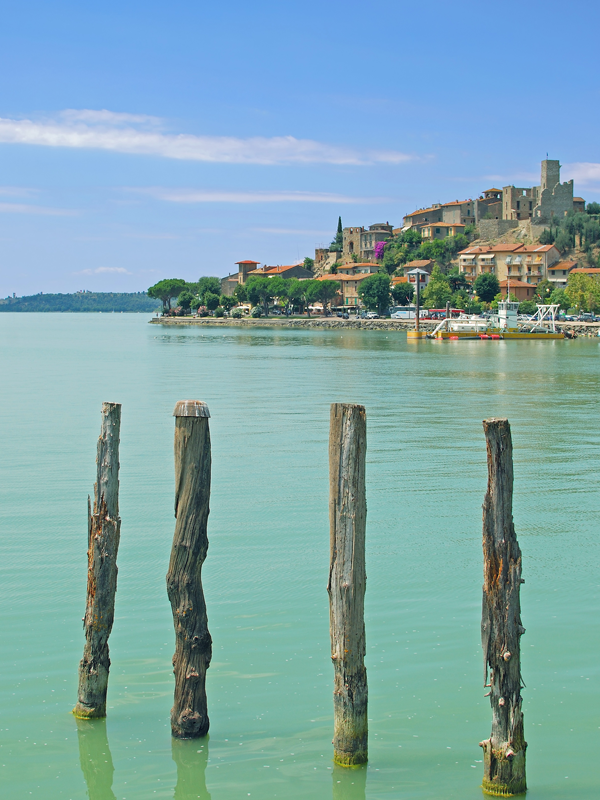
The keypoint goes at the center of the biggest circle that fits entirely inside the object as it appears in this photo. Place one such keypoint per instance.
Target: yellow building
(348, 293)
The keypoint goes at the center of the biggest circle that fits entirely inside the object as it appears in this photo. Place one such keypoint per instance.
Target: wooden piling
(501, 629)
(104, 529)
(347, 581)
(193, 645)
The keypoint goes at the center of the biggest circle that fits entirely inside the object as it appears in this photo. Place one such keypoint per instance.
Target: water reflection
(349, 783)
(95, 758)
(191, 757)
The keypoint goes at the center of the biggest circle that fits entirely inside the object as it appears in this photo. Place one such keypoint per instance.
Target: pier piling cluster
(501, 628)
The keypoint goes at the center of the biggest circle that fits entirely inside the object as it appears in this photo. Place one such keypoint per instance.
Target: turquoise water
(270, 683)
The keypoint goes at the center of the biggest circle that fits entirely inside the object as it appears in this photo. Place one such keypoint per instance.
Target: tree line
(99, 302)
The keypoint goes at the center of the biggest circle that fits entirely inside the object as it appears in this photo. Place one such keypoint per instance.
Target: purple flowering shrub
(379, 248)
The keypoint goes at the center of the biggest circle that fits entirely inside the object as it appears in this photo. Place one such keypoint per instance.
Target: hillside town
(534, 244)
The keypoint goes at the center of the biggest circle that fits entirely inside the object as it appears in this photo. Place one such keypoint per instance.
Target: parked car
(345, 315)
(372, 315)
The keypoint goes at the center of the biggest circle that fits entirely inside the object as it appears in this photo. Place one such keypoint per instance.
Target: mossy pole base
(104, 531)
(193, 645)
(501, 629)
(347, 581)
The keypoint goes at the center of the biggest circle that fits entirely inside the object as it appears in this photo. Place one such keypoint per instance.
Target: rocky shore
(580, 328)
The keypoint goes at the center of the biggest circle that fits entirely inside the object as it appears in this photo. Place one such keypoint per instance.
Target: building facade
(527, 263)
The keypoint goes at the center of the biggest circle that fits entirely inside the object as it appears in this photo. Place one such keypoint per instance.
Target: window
(518, 205)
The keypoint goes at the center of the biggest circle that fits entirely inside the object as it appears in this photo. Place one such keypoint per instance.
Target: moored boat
(505, 324)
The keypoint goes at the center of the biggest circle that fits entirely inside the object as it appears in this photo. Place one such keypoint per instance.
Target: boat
(507, 323)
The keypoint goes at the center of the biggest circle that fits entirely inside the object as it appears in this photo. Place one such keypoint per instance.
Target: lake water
(270, 683)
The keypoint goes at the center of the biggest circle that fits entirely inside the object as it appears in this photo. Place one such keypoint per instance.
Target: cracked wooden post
(193, 645)
(501, 629)
(347, 581)
(104, 529)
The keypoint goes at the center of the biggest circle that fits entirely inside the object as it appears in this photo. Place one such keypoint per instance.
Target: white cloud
(23, 208)
(584, 172)
(103, 270)
(130, 133)
(224, 196)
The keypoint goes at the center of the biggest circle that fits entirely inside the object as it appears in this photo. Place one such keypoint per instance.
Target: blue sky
(149, 140)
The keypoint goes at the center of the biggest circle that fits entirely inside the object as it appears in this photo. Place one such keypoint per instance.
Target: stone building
(361, 242)
(229, 282)
(439, 230)
(489, 205)
(460, 212)
(545, 202)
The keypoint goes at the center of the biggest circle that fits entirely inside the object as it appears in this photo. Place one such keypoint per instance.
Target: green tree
(527, 307)
(457, 280)
(227, 302)
(327, 291)
(561, 297)
(583, 291)
(309, 263)
(185, 299)
(211, 300)
(295, 294)
(240, 293)
(403, 293)
(564, 241)
(338, 243)
(546, 236)
(260, 292)
(208, 284)
(166, 290)
(278, 289)
(437, 292)
(593, 208)
(486, 286)
(374, 291)
(543, 290)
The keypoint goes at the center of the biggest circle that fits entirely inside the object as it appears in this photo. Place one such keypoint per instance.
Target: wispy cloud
(103, 271)
(24, 208)
(517, 178)
(584, 172)
(17, 191)
(224, 196)
(139, 134)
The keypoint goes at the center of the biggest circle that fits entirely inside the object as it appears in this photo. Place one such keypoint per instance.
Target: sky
(140, 141)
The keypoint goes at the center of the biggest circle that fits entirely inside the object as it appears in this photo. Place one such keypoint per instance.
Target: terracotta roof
(352, 265)
(587, 270)
(424, 262)
(247, 262)
(536, 248)
(446, 224)
(399, 279)
(273, 270)
(497, 248)
(563, 265)
(330, 277)
(578, 200)
(421, 211)
(493, 190)
(456, 203)
(517, 284)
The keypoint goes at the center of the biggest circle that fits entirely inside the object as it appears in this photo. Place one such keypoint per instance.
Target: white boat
(505, 324)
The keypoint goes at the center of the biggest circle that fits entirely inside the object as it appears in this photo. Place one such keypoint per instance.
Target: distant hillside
(87, 301)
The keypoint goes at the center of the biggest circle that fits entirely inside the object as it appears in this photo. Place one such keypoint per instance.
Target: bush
(219, 311)
(203, 311)
(256, 312)
(236, 313)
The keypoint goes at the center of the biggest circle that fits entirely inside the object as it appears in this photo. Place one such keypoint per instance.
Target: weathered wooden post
(193, 645)
(104, 529)
(501, 629)
(347, 581)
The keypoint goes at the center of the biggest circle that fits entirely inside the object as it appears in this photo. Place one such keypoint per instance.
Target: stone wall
(493, 228)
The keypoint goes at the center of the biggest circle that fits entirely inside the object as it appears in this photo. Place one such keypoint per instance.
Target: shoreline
(580, 328)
